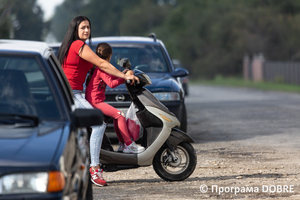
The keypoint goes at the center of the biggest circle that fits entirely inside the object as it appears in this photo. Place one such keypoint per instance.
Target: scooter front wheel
(177, 165)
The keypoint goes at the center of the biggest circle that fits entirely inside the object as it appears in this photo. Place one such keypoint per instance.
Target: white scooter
(167, 148)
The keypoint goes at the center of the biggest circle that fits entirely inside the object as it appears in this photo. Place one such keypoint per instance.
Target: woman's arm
(88, 54)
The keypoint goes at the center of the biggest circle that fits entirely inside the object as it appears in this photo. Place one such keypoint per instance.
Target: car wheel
(185, 88)
(89, 192)
(183, 122)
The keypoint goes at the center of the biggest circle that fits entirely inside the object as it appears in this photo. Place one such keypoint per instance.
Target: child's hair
(103, 50)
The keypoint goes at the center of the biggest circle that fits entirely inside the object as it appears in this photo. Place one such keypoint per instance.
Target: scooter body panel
(177, 136)
(112, 157)
(169, 121)
(146, 157)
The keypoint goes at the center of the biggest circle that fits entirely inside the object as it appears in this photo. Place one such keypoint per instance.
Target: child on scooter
(95, 94)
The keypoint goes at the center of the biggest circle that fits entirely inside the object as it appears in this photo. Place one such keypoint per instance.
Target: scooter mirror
(124, 62)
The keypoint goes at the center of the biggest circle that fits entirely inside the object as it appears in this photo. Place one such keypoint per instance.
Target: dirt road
(247, 144)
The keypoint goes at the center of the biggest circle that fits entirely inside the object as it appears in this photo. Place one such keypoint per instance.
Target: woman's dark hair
(70, 37)
(103, 50)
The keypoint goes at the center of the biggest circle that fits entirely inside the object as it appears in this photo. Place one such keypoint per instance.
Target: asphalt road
(247, 143)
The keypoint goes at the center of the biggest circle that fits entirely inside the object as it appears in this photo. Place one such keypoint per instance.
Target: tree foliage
(210, 37)
(63, 16)
(105, 16)
(214, 35)
(5, 19)
(21, 20)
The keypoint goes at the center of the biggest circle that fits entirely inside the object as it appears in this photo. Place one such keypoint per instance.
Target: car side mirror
(88, 117)
(180, 72)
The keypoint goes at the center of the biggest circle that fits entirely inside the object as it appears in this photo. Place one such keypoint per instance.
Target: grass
(240, 82)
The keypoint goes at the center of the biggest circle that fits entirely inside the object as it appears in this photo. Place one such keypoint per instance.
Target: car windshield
(24, 89)
(147, 58)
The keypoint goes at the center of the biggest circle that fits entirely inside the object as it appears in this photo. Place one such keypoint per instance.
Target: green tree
(111, 18)
(21, 19)
(106, 16)
(63, 16)
(27, 20)
(5, 19)
(210, 37)
(144, 17)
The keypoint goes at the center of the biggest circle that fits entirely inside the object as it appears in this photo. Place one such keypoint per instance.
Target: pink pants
(119, 121)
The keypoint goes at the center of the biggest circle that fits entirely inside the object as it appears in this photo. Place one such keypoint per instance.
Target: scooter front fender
(177, 136)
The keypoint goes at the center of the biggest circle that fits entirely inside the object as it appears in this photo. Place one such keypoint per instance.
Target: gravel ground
(247, 144)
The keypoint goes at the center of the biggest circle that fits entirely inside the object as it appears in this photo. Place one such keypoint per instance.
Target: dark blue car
(44, 151)
(149, 55)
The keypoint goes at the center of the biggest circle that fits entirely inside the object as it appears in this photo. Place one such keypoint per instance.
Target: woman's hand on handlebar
(129, 76)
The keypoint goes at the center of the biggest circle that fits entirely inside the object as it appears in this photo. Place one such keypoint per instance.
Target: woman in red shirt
(95, 95)
(77, 58)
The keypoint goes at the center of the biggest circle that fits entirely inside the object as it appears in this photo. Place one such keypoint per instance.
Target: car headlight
(40, 182)
(167, 96)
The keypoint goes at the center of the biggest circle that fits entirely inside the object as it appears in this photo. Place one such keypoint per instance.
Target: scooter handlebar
(129, 81)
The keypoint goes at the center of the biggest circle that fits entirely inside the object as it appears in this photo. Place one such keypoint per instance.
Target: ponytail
(104, 51)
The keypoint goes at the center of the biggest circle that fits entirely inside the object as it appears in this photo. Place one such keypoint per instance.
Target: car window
(55, 50)
(25, 89)
(147, 58)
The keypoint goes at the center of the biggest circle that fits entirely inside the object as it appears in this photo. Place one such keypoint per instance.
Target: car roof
(125, 39)
(117, 39)
(25, 46)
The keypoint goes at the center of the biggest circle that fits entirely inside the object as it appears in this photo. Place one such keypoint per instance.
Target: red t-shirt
(95, 91)
(75, 67)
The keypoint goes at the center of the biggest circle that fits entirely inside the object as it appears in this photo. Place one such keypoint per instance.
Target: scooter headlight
(167, 96)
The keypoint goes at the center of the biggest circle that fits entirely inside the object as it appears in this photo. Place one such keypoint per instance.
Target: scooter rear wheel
(175, 170)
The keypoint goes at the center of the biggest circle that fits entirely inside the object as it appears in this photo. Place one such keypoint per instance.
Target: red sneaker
(96, 177)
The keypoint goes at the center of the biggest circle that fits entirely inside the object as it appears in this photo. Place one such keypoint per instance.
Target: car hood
(160, 83)
(29, 147)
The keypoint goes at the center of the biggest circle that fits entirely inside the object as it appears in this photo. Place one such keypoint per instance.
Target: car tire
(185, 88)
(183, 122)
(89, 192)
